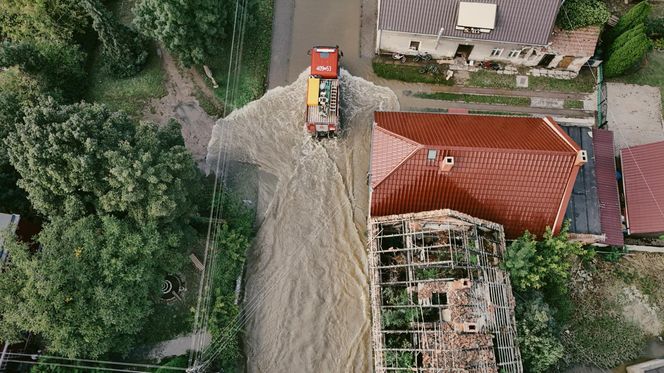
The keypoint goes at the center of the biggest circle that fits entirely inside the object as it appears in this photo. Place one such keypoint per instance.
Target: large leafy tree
(91, 287)
(43, 20)
(57, 67)
(533, 264)
(123, 49)
(17, 91)
(82, 159)
(193, 30)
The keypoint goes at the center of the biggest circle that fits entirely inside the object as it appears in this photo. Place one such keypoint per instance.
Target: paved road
(282, 29)
(301, 24)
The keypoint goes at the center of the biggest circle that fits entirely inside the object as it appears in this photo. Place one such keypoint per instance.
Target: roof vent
(581, 158)
(446, 164)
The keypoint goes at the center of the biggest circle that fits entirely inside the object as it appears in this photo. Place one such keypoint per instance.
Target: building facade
(515, 32)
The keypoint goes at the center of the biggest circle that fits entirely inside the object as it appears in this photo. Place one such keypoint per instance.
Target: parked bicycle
(431, 68)
(399, 57)
(424, 57)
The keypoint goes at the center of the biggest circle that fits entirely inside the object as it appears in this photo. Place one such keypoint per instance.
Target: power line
(76, 366)
(93, 361)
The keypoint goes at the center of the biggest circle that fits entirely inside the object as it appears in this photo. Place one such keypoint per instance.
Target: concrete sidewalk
(411, 103)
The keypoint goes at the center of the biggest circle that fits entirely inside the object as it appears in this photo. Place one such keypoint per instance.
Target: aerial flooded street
(306, 295)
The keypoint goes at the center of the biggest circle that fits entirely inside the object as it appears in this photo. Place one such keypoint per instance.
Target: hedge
(635, 16)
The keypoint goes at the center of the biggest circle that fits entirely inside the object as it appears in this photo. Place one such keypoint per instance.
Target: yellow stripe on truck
(313, 87)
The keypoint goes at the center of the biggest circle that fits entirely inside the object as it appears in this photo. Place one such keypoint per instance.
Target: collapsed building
(440, 303)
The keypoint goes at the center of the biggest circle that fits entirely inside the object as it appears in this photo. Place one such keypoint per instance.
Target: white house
(518, 32)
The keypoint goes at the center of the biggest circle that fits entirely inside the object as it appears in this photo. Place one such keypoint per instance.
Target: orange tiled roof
(515, 171)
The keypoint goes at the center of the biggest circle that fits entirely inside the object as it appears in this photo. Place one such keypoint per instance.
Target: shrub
(627, 56)
(637, 15)
(540, 346)
(575, 14)
(625, 37)
(534, 264)
(655, 28)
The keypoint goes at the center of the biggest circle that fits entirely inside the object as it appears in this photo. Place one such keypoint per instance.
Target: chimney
(446, 164)
(581, 158)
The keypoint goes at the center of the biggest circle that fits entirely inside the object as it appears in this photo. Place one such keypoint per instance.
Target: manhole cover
(522, 81)
(171, 288)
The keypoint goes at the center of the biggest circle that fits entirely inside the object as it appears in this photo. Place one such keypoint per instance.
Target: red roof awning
(607, 187)
(643, 180)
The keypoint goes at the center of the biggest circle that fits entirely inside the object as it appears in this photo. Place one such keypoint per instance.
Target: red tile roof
(607, 187)
(643, 180)
(578, 43)
(515, 171)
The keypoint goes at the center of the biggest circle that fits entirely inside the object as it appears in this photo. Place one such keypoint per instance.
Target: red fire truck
(323, 92)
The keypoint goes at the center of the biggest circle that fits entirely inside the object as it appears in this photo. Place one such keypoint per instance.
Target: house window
(496, 52)
(432, 154)
(415, 45)
(525, 52)
(513, 53)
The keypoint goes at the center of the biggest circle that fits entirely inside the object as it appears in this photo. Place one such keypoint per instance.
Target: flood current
(307, 291)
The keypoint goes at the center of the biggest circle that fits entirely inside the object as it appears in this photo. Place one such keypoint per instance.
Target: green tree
(192, 30)
(82, 159)
(17, 91)
(41, 20)
(123, 49)
(539, 345)
(625, 37)
(534, 264)
(637, 15)
(627, 56)
(575, 14)
(91, 287)
(57, 67)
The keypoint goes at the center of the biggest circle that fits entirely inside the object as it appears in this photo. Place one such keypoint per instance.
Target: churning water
(307, 293)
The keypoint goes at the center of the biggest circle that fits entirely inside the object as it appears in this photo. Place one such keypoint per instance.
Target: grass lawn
(130, 94)
(585, 82)
(651, 72)
(482, 99)
(573, 104)
(252, 81)
(407, 73)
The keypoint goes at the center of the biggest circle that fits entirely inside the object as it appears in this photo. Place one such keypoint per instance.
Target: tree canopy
(57, 68)
(42, 20)
(192, 30)
(90, 288)
(82, 159)
(629, 54)
(124, 50)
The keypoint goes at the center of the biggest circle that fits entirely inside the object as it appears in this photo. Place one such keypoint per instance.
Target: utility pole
(2, 357)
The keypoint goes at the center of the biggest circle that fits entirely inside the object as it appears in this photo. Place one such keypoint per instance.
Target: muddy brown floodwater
(306, 297)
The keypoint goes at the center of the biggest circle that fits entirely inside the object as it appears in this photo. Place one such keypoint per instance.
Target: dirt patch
(181, 104)
(636, 307)
(634, 114)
